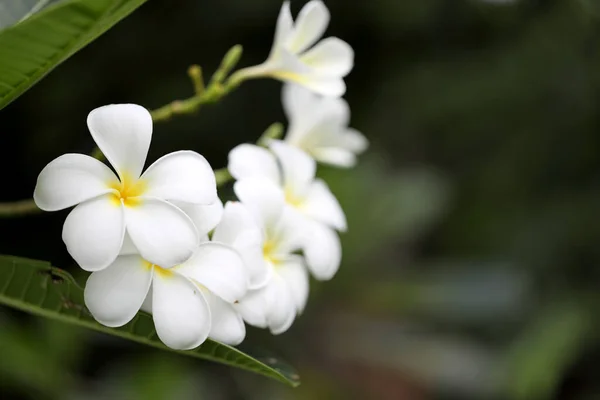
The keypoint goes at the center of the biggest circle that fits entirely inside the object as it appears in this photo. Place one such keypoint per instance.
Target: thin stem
(18, 208)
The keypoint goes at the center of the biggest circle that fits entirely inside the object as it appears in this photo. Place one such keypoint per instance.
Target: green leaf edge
(101, 26)
(290, 378)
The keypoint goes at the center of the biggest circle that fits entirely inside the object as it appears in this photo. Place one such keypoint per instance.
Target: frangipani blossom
(108, 207)
(299, 56)
(266, 234)
(188, 302)
(319, 126)
(293, 171)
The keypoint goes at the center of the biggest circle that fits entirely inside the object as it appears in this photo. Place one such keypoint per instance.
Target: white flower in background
(139, 205)
(266, 235)
(319, 126)
(294, 172)
(188, 302)
(299, 56)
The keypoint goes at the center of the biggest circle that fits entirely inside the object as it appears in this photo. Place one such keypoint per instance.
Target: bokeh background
(471, 267)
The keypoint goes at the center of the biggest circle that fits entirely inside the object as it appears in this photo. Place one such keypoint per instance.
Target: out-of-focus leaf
(33, 47)
(40, 289)
(545, 350)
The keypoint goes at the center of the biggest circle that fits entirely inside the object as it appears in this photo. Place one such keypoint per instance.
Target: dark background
(471, 267)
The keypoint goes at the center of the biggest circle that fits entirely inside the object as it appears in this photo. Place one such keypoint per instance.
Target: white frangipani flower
(108, 207)
(299, 56)
(293, 171)
(188, 302)
(266, 234)
(319, 126)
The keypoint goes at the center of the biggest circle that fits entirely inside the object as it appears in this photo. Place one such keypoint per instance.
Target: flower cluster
(161, 240)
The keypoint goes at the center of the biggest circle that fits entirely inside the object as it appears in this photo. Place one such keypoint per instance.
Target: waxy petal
(282, 308)
(323, 252)
(251, 161)
(298, 102)
(298, 169)
(331, 57)
(239, 229)
(163, 234)
(204, 217)
(263, 198)
(322, 206)
(354, 141)
(309, 26)
(227, 325)
(93, 232)
(181, 176)
(219, 268)
(284, 26)
(70, 179)
(295, 275)
(115, 294)
(334, 156)
(180, 311)
(123, 133)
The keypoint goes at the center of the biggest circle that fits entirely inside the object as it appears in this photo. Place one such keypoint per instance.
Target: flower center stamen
(128, 191)
(268, 252)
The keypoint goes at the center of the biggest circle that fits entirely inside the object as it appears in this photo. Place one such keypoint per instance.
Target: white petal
(123, 133)
(354, 141)
(71, 179)
(282, 309)
(163, 234)
(93, 232)
(334, 156)
(115, 294)
(323, 252)
(227, 325)
(298, 169)
(262, 197)
(218, 267)
(181, 176)
(147, 304)
(128, 248)
(284, 25)
(204, 217)
(254, 308)
(325, 86)
(297, 101)
(180, 311)
(309, 26)
(248, 160)
(289, 233)
(295, 275)
(239, 229)
(331, 57)
(321, 205)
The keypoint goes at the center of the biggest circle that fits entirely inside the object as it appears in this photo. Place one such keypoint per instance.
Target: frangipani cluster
(161, 241)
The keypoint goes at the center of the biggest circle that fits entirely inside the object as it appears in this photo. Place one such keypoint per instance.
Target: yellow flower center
(268, 252)
(162, 272)
(292, 199)
(127, 190)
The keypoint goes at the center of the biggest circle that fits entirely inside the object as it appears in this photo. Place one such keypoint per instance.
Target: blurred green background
(471, 267)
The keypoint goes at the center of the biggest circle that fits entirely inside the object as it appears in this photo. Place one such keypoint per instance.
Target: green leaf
(40, 289)
(33, 47)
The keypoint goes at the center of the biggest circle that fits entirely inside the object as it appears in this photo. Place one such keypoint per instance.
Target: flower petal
(264, 199)
(71, 179)
(321, 205)
(205, 218)
(354, 141)
(239, 229)
(254, 308)
(227, 325)
(331, 57)
(115, 294)
(248, 160)
(180, 311)
(163, 234)
(309, 26)
(298, 102)
(282, 309)
(323, 252)
(285, 23)
(123, 133)
(181, 176)
(219, 268)
(334, 156)
(325, 86)
(295, 275)
(93, 232)
(128, 248)
(289, 233)
(298, 169)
